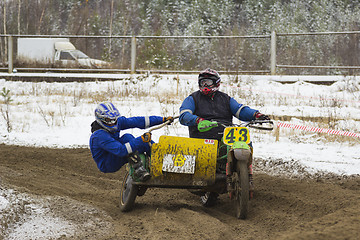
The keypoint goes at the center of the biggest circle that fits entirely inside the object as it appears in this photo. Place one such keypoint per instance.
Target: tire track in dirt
(283, 208)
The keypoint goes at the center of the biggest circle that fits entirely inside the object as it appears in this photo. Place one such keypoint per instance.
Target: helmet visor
(110, 121)
(206, 82)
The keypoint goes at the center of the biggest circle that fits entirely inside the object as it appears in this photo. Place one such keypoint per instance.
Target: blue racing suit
(110, 151)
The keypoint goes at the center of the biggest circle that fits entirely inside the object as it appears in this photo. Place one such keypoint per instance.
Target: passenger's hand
(146, 137)
(170, 119)
(206, 125)
(260, 116)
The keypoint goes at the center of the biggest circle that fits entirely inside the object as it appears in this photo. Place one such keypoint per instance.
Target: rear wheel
(128, 193)
(241, 198)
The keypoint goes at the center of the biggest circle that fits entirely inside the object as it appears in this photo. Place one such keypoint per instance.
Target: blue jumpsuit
(110, 151)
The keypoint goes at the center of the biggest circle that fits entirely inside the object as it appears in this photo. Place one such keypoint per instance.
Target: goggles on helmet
(110, 121)
(206, 82)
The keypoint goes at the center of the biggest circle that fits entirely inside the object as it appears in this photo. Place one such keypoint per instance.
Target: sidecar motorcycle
(199, 164)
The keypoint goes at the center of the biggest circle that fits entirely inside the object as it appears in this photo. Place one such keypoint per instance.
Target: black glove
(260, 116)
(170, 119)
(146, 137)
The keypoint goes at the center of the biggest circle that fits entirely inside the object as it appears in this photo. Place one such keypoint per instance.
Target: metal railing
(278, 66)
(272, 68)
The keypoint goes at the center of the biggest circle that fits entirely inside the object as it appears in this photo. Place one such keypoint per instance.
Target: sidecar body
(181, 162)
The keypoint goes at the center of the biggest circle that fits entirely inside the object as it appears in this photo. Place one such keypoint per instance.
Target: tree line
(194, 18)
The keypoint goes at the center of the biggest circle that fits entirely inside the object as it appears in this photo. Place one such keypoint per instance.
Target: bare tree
(111, 21)
(41, 18)
(5, 110)
(5, 41)
(18, 20)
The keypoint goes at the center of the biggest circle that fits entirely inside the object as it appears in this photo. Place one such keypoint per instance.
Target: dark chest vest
(212, 109)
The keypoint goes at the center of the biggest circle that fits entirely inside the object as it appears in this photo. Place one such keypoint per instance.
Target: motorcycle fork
(240, 151)
(229, 170)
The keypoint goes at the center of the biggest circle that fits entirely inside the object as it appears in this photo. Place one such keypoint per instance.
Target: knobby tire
(242, 190)
(128, 193)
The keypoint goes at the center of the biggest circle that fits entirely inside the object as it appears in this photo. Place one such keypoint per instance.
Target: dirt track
(282, 208)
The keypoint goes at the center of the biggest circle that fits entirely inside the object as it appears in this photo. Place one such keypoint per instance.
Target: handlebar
(161, 125)
(261, 124)
(267, 125)
(158, 127)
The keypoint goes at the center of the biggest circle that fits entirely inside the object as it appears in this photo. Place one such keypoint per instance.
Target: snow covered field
(58, 115)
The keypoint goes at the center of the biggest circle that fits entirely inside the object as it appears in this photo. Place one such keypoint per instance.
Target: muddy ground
(327, 207)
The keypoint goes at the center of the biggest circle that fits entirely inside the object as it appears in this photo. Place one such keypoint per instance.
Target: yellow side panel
(183, 161)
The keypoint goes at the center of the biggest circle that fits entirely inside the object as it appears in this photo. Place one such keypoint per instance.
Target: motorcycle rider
(109, 150)
(202, 109)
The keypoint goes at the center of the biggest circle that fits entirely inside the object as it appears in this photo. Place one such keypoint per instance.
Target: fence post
(273, 53)
(133, 55)
(277, 134)
(10, 54)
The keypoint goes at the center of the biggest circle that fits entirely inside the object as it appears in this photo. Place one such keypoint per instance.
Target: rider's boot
(209, 199)
(140, 172)
(251, 186)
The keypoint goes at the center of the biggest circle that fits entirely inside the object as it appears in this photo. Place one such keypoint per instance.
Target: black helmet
(209, 81)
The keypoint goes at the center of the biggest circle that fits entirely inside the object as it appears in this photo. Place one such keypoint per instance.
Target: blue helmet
(107, 115)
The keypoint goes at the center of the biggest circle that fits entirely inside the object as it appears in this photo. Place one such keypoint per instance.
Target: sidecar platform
(181, 162)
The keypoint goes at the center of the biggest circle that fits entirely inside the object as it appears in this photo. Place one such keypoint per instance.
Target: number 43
(237, 134)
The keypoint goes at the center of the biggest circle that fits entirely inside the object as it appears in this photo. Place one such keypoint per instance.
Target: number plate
(235, 134)
(178, 163)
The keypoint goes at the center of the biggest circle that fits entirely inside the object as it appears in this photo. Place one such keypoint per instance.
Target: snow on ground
(58, 115)
(25, 216)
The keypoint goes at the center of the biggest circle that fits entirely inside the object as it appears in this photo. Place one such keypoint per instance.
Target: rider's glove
(199, 119)
(260, 116)
(170, 119)
(206, 125)
(146, 137)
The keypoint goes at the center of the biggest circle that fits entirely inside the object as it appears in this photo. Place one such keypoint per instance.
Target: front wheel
(241, 198)
(128, 193)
